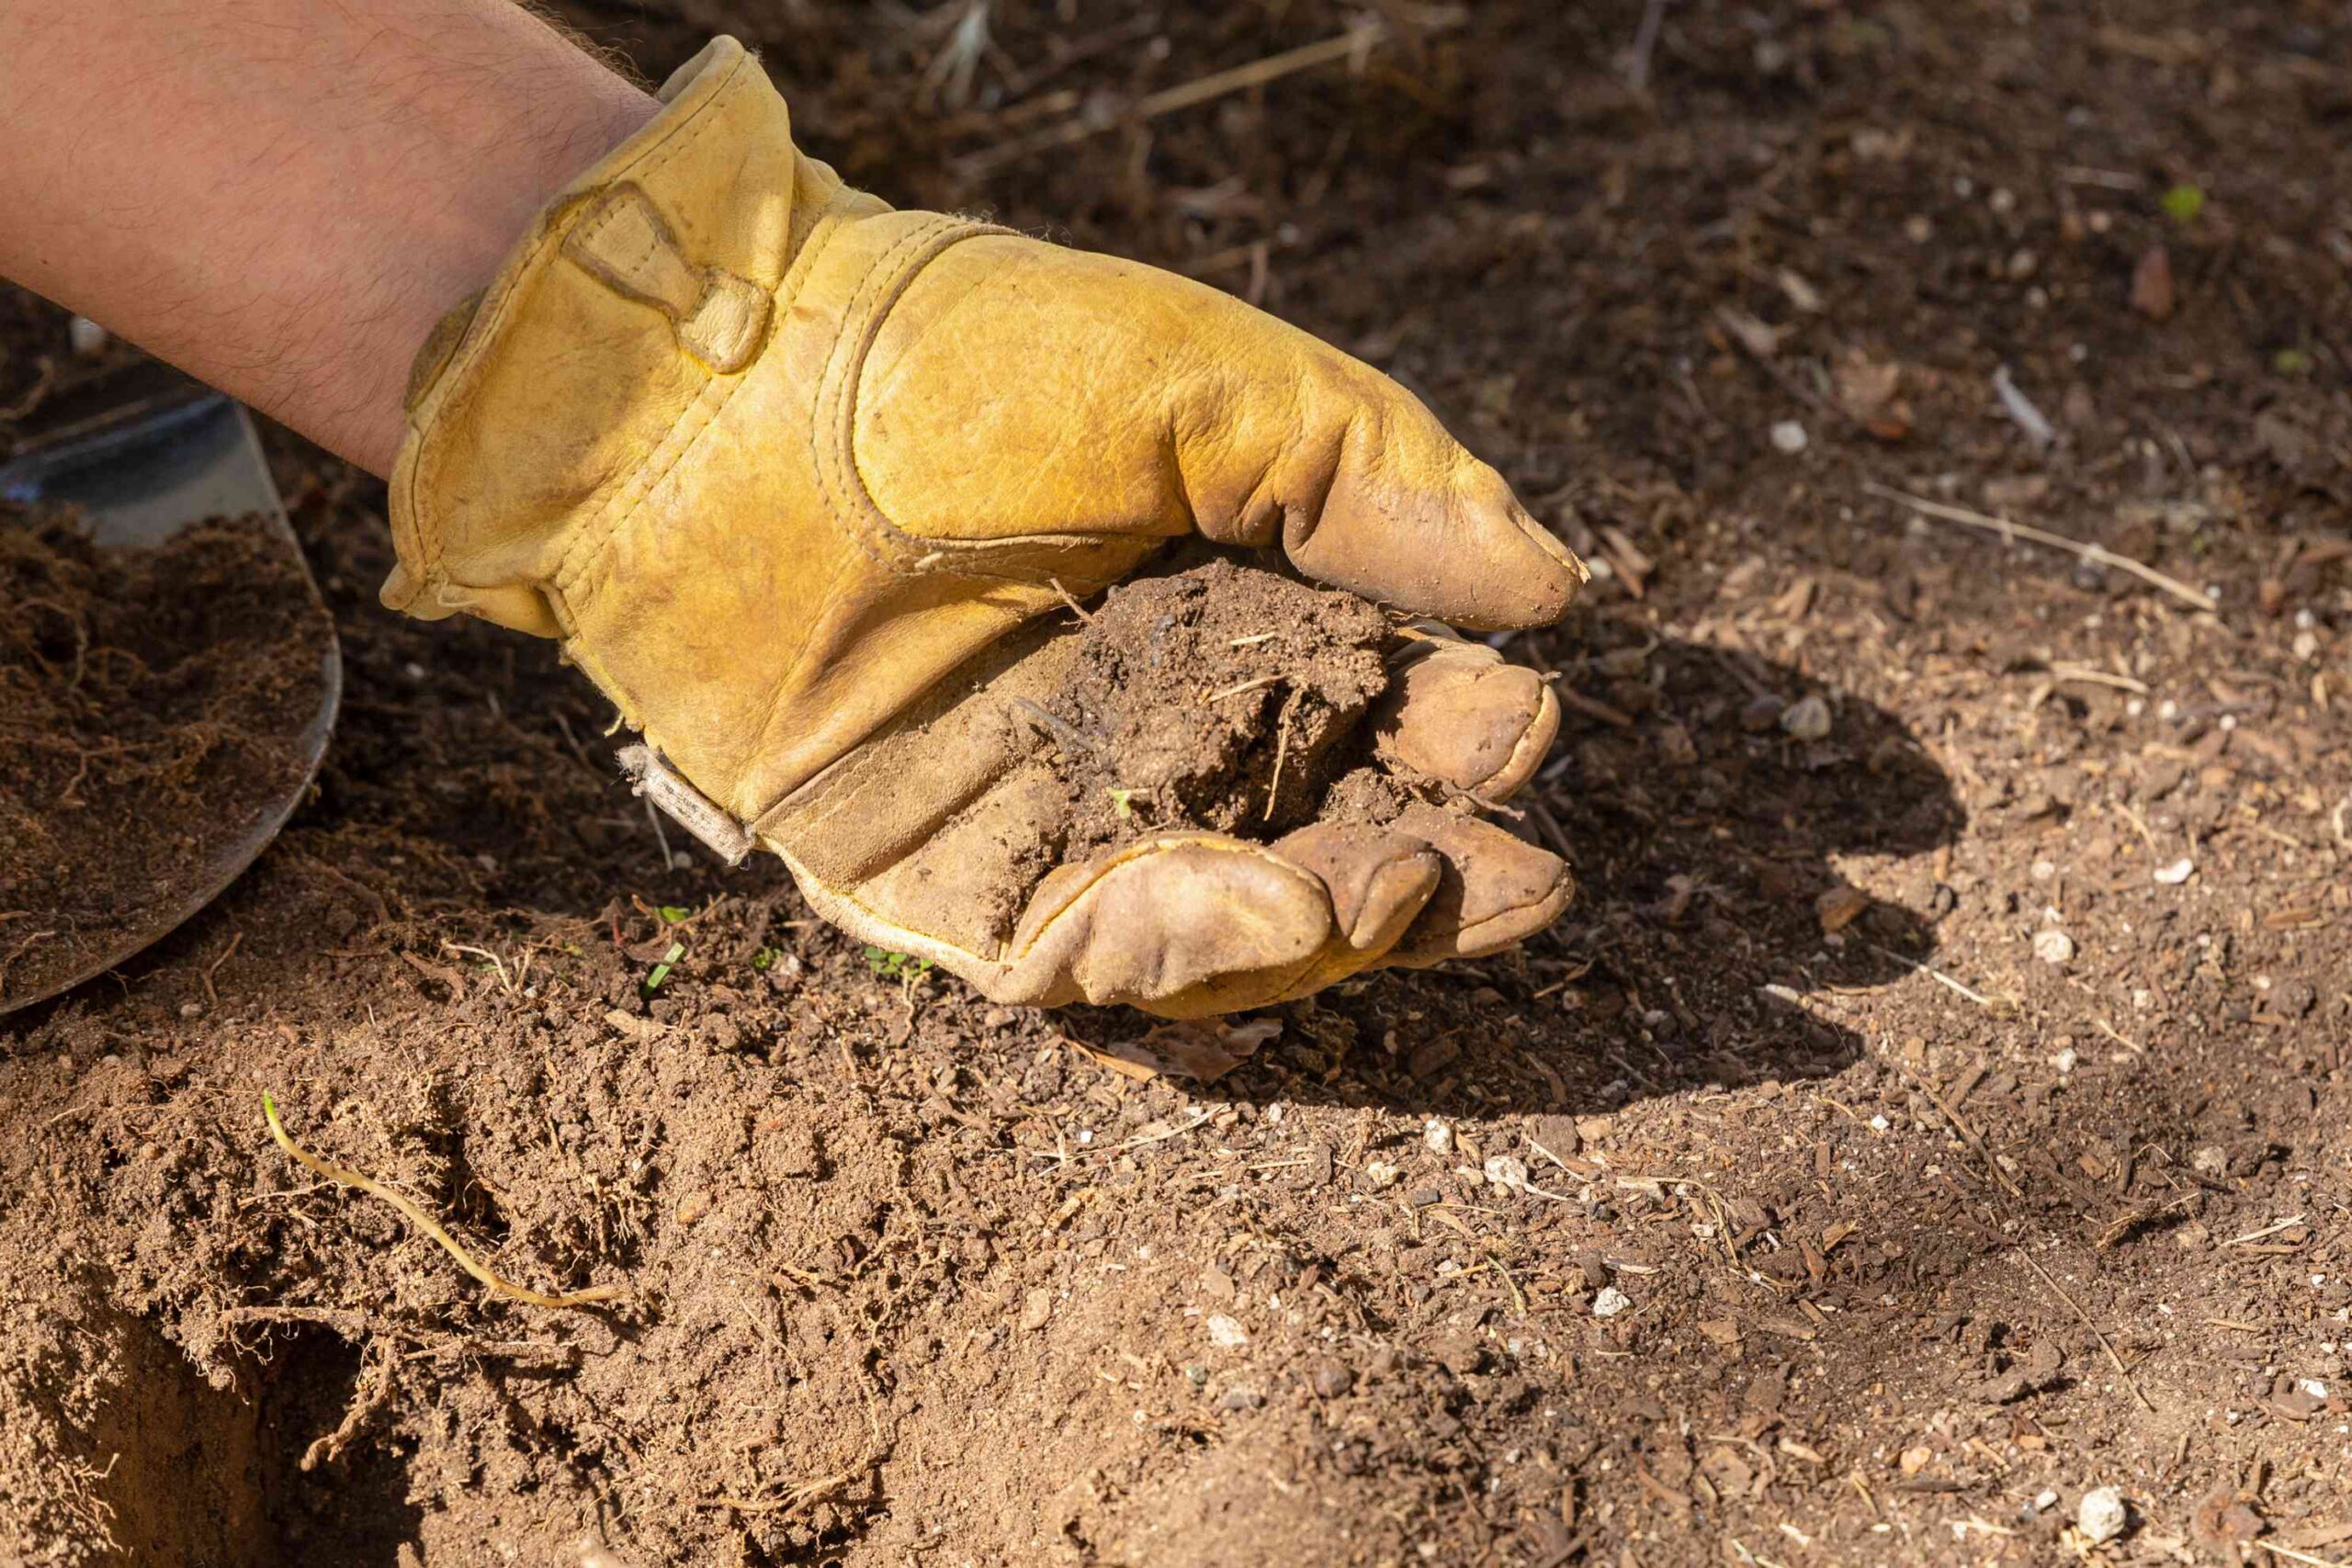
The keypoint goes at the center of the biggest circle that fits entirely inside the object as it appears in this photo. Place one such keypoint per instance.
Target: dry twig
(2096, 1332)
(1354, 43)
(2099, 554)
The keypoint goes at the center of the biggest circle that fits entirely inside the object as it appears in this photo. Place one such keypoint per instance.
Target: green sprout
(2292, 362)
(2183, 202)
(662, 970)
(675, 914)
(889, 965)
(1121, 802)
(765, 958)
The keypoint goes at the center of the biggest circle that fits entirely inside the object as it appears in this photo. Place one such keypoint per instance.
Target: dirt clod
(1222, 697)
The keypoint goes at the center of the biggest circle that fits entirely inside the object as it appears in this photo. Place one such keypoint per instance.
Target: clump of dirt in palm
(151, 704)
(1224, 697)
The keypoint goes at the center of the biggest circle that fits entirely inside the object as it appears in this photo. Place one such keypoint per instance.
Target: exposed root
(426, 1223)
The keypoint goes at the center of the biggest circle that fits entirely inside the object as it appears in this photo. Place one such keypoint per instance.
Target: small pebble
(1807, 718)
(1507, 1172)
(1332, 1380)
(1789, 436)
(2101, 1515)
(88, 338)
(2177, 872)
(1610, 1302)
(1037, 1307)
(1438, 1136)
(1226, 1334)
(2053, 946)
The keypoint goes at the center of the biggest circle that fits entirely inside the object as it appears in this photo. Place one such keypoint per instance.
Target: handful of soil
(1223, 697)
(152, 703)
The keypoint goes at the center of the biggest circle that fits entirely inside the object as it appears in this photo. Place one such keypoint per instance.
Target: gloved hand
(797, 479)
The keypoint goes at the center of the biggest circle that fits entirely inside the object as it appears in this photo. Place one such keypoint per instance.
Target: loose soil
(1851, 1230)
(153, 705)
(1225, 698)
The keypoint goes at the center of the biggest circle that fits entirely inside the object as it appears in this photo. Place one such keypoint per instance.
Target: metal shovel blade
(143, 457)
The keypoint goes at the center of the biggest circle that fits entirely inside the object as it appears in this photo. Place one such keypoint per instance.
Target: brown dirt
(151, 705)
(1223, 697)
(912, 1280)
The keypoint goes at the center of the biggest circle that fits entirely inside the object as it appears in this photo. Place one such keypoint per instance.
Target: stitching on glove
(595, 533)
(860, 321)
(464, 369)
(1022, 560)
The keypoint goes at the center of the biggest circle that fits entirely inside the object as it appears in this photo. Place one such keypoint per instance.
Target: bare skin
(281, 197)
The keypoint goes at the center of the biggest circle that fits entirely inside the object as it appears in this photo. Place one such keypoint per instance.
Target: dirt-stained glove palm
(797, 479)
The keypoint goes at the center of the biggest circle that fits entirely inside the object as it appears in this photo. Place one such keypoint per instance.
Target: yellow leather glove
(796, 478)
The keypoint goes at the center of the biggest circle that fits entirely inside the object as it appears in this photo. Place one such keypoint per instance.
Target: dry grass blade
(2096, 1332)
(2097, 554)
(1355, 42)
(2292, 1555)
(426, 1223)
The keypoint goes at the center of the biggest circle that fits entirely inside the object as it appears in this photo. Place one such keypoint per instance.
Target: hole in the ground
(198, 1474)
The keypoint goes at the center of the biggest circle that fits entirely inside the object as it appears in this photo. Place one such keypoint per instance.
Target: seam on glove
(1016, 560)
(834, 407)
(591, 538)
(463, 372)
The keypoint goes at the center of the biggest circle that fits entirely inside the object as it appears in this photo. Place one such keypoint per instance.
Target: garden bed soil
(153, 704)
(1801, 1198)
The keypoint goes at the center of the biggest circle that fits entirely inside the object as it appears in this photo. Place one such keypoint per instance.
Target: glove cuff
(534, 404)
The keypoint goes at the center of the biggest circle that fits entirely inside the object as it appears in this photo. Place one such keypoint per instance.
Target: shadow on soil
(1715, 843)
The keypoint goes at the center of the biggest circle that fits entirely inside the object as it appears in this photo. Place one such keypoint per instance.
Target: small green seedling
(662, 970)
(2292, 362)
(675, 914)
(889, 965)
(2182, 203)
(765, 958)
(1121, 802)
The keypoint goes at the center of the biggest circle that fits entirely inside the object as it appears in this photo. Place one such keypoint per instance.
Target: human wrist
(288, 195)
(508, 147)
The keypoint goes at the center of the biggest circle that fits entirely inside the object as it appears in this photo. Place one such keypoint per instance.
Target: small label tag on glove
(654, 779)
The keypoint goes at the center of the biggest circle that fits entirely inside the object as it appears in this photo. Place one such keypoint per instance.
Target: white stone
(88, 338)
(1438, 1136)
(1611, 1302)
(1807, 718)
(2178, 872)
(2101, 1515)
(1225, 1332)
(1505, 1171)
(2053, 946)
(1789, 436)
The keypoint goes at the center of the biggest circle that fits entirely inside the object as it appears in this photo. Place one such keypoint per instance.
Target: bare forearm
(282, 195)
